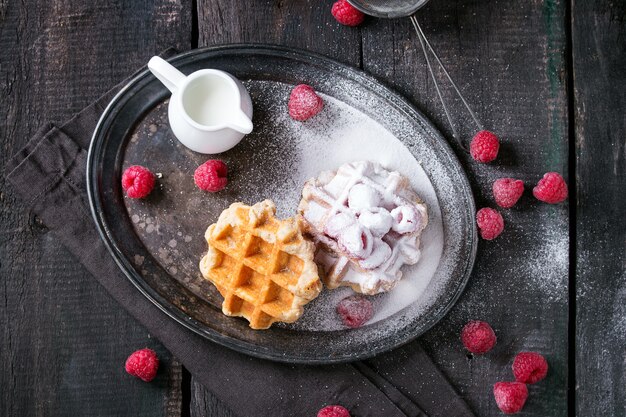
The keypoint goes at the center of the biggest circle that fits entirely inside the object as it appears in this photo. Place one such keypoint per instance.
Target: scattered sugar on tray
(281, 154)
(337, 135)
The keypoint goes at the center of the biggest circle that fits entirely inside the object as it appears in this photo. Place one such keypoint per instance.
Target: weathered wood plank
(64, 339)
(509, 59)
(302, 24)
(600, 103)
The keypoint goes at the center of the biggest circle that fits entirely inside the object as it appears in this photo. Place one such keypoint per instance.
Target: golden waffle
(262, 266)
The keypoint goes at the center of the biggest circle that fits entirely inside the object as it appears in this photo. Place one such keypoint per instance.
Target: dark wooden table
(547, 75)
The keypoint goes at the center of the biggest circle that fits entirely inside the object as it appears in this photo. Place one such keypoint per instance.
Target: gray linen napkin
(49, 174)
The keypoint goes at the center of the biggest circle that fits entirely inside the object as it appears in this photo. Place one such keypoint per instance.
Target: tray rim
(251, 349)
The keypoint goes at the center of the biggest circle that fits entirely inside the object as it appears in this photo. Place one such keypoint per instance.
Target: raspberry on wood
(551, 189)
(529, 367)
(478, 337)
(490, 223)
(506, 191)
(484, 146)
(510, 396)
(333, 411)
(347, 14)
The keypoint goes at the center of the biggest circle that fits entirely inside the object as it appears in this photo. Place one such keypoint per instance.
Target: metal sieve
(407, 8)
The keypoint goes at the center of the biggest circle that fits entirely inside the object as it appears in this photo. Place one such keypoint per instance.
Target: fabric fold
(412, 372)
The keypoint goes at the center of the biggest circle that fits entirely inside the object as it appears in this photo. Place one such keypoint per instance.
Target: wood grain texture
(600, 104)
(60, 358)
(509, 60)
(305, 24)
(64, 339)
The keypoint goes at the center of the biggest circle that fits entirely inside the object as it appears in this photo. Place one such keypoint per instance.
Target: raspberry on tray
(211, 176)
(137, 181)
(304, 103)
(355, 310)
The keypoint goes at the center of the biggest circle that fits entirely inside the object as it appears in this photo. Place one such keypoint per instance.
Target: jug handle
(166, 73)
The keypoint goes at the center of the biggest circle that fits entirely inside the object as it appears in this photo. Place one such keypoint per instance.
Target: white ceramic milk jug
(210, 111)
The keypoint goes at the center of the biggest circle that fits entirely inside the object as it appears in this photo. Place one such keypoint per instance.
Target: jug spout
(241, 123)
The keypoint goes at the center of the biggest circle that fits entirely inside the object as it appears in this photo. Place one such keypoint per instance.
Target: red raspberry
(333, 411)
(137, 181)
(507, 191)
(143, 364)
(211, 176)
(478, 337)
(484, 146)
(529, 367)
(551, 188)
(490, 223)
(346, 14)
(355, 310)
(304, 103)
(510, 396)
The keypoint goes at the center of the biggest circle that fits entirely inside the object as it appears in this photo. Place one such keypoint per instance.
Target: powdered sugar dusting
(275, 160)
(337, 135)
(546, 264)
(345, 197)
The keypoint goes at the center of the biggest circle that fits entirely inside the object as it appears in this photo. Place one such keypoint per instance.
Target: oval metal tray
(157, 242)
